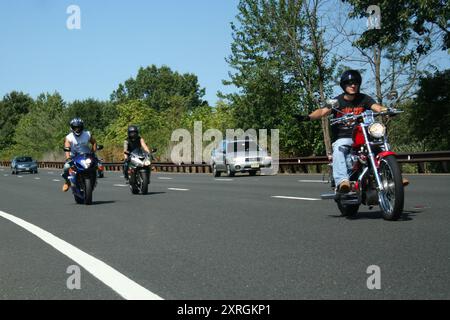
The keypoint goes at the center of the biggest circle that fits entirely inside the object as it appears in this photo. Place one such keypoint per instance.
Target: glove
(384, 109)
(301, 117)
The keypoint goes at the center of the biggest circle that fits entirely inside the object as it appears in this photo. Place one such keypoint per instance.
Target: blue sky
(39, 54)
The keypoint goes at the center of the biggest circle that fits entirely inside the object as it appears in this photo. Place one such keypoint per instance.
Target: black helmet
(350, 76)
(133, 132)
(77, 126)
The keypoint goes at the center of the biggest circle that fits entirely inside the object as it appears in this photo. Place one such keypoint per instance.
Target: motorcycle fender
(382, 155)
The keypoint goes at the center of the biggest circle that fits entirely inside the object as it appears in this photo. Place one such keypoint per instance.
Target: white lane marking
(121, 284)
(37, 178)
(6, 175)
(164, 178)
(296, 198)
(223, 179)
(19, 176)
(2, 169)
(56, 180)
(178, 189)
(316, 181)
(120, 185)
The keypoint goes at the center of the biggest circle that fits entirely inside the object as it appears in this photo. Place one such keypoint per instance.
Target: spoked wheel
(391, 199)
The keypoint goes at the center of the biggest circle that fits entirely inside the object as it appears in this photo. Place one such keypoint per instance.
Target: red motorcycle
(375, 178)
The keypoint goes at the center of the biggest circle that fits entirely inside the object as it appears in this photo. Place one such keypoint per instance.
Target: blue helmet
(77, 126)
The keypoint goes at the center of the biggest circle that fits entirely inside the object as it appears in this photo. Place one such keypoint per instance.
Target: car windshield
(240, 146)
(24, 159)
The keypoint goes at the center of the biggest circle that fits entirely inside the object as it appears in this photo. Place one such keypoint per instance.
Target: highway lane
(225, 239)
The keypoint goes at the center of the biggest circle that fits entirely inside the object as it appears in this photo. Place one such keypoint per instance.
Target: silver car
(238, 156)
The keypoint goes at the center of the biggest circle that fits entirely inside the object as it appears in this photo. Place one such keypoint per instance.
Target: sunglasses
(351, 83)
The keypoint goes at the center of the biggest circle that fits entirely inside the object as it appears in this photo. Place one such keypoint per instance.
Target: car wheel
(252, 173)
(229, 172)
(215, 172)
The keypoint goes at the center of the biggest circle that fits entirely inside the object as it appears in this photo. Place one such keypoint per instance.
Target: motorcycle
(83, 176)
(139, 170)
(375, 177)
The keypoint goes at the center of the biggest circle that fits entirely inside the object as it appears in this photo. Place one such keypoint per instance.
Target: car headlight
(377, 130)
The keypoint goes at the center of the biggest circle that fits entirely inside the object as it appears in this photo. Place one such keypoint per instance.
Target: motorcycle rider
(78, 141)
(349, 101)
(133, 141)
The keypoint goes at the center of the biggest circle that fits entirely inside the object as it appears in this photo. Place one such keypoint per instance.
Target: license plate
(255, 165)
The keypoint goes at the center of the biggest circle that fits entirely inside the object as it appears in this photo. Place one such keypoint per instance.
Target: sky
(40, 54)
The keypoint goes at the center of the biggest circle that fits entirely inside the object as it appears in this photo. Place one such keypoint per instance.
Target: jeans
(126, 165)
(67, 166)
(341, 166)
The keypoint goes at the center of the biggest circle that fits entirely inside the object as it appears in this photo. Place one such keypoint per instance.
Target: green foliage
(405, 20)
(157, 87)
(431, 111)
(41, 129)
(12, 108)
(279, 59)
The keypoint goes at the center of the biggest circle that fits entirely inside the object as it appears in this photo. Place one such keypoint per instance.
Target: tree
(42, 129)
(410, 30)
(282, 66)
(12, 108)
(97, 115)
(156, 86)
(430, 111)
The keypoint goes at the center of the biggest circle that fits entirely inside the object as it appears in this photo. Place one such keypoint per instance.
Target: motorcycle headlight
(147, 162)
(377, 130)
(86, 163)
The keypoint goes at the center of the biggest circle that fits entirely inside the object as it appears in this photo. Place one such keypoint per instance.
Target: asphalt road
(196, 237)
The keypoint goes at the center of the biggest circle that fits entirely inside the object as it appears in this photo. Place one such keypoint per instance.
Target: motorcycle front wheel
(88, 189)
(391, 199)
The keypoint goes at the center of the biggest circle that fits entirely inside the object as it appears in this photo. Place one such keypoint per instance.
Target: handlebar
(353, 117)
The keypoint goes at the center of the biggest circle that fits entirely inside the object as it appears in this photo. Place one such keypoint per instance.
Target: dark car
(24, 164)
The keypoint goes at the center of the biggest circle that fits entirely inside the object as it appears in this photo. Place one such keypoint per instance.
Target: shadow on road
(94, 203)
(152, 193)
(374, 215)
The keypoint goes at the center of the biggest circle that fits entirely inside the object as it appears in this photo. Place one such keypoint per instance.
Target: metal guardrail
(286, 165)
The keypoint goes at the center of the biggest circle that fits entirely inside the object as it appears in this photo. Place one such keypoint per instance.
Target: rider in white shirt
(78, 141)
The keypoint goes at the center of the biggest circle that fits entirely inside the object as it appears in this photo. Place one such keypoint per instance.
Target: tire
(229, 172)
(133, 184)
(252, 173)
(391, 201)
(13, 172)
(215, 172)
(348, 210)
(78, 200)
(88, 189)
(145, 181)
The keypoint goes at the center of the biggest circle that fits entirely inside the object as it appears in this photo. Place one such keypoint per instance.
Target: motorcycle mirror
(66, 149)
(154, 150)
(99, 147)
(392, 95)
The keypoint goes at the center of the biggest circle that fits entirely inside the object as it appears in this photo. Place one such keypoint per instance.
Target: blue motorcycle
(83, 176)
